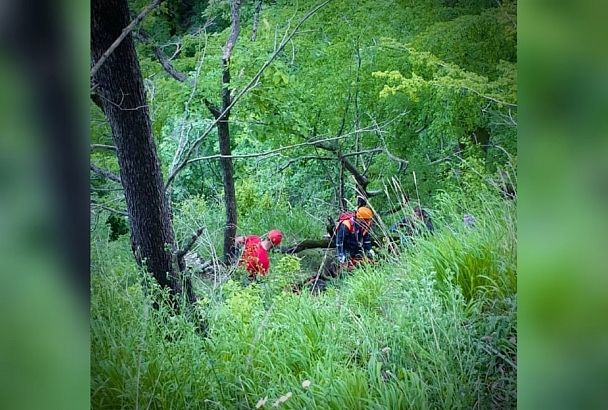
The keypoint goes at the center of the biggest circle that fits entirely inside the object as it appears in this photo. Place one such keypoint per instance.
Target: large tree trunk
(119, 84)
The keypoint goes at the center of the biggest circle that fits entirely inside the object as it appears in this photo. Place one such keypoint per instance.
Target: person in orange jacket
(353, 239)
(254, 257)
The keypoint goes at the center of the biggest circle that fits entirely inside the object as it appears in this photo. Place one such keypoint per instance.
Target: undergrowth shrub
(481, 259)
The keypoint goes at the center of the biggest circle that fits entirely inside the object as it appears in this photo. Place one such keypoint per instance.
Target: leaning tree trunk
(227, 170)
(119, 84)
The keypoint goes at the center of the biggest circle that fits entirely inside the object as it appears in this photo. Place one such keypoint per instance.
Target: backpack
(346, 216)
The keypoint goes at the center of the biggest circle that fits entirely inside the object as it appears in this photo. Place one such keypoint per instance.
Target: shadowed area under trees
(390, 127)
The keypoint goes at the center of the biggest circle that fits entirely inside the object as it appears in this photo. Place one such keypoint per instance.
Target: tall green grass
(482, 259)
(431, 328)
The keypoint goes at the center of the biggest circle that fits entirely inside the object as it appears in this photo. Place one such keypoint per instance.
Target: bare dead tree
(222, 115)
(341, 197)
(356, 102)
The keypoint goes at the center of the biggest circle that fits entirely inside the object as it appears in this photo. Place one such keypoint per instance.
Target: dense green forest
(277, 115)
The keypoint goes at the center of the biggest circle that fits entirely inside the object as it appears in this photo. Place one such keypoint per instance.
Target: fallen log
(308, 244)
(326, 243)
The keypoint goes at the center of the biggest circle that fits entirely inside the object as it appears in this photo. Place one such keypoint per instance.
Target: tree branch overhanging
(304, 158)
(360, 179)
(322, 158)
(190, 243)
(165, 62)
(276, 151)
(186, 160)
(107, 208)
(103, 147)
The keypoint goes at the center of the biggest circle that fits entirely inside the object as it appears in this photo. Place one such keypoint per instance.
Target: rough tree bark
(120, 87)
(223, 130)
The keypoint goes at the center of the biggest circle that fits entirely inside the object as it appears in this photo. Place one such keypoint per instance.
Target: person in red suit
(254, 256)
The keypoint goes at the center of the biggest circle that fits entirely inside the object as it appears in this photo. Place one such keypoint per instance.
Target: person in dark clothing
(353, 240)
(419, 224)
(469, 221)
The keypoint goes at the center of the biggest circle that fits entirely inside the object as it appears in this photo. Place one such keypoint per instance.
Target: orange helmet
(364, 213)
(275, 236)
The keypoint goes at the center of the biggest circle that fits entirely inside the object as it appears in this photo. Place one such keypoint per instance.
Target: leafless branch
(305, 158)
(105, 173)
(103, 147)
(263, 154)
(373, 193)
(107, 208)
(190, 243)
(360, 179)
(182, 142)
(341, 194)
(213, 108)
(122, 36)
(356, 102)
(487, 97)
(165, 62)
(321, 158)
(365, 151)
(277, 150)
(403, 164)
